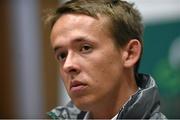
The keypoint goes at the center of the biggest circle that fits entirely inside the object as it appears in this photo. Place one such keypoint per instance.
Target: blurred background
(29, 80)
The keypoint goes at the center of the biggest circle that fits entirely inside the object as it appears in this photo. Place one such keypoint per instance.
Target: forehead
(69, 22)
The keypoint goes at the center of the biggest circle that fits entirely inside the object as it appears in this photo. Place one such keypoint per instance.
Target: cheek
(104, 69)
(103, 78)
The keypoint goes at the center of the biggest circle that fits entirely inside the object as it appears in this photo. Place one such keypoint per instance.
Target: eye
(62, 56)
(86, 48)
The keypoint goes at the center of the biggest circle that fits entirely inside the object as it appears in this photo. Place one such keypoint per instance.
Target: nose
(71, 65)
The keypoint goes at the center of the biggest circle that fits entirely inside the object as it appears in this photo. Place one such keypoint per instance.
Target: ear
(131, 53)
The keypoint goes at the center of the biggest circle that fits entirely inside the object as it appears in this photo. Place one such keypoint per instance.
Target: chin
(83, 104)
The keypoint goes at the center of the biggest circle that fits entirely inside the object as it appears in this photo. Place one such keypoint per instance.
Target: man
(98, 45)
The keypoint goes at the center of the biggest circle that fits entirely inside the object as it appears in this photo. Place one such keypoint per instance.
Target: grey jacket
(145, 104)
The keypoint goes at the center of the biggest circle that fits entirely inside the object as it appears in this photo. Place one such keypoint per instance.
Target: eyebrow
(77, 40)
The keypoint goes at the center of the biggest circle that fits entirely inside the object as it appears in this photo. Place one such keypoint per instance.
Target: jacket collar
(144, 102)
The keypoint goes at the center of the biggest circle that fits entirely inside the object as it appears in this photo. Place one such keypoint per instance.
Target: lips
(77, 86)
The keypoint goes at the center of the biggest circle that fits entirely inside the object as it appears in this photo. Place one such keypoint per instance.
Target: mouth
(77, 86)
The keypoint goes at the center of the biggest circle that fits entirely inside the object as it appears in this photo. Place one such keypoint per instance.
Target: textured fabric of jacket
(145, 104)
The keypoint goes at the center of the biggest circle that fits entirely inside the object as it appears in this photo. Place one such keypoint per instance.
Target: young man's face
(89, 63)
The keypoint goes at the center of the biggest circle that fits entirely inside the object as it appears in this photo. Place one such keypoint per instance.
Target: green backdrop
(158, 41)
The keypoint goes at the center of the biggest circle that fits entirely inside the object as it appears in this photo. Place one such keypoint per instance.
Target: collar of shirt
(87, 117)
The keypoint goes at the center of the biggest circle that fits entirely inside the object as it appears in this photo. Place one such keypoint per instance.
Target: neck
(111, 105)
